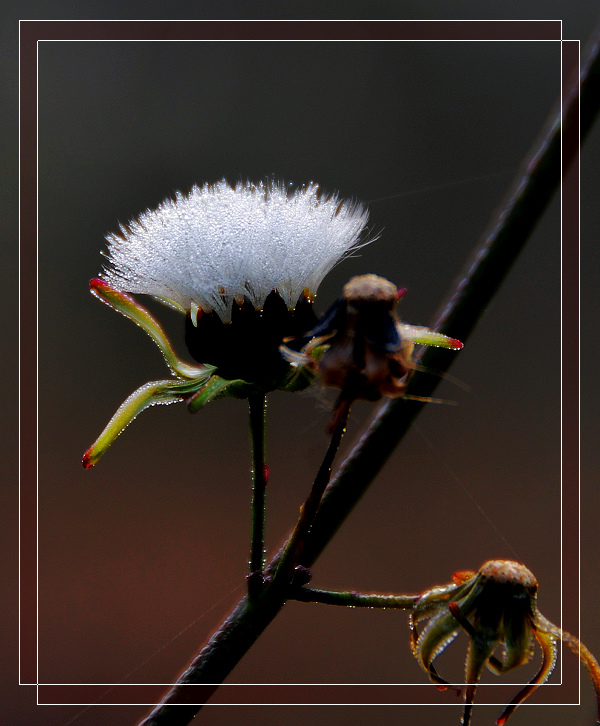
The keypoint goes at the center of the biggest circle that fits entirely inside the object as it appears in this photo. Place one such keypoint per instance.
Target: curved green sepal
(548, 646)
(130, 308)
(425, 336)
(150, 394)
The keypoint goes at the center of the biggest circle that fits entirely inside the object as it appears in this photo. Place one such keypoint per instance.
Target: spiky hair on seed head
(221, 243)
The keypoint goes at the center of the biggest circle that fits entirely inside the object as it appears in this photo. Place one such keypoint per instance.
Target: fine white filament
(221, 243)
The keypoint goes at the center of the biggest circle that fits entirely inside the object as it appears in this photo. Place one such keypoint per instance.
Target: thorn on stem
(302, 576)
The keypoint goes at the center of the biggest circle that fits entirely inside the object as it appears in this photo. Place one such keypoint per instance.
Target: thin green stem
(257, 405)
(355, 599)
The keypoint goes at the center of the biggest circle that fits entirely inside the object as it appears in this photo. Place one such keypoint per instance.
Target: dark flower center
(248, 347)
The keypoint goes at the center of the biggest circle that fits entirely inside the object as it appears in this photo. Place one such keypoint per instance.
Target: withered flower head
(496, 607)
(360, 346)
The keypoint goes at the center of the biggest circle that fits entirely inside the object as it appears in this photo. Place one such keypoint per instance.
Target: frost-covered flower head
(221, 244)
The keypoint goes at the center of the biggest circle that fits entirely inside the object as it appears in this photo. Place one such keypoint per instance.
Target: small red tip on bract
(96, 283)
(400, 293)
(454, 609)
(87, 459)
(109, 294)
(501, 721)
(456, 344)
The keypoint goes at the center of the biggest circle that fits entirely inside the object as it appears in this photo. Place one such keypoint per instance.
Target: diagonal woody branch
(500, 245)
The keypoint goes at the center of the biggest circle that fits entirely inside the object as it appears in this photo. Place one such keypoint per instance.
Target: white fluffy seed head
(221, 243)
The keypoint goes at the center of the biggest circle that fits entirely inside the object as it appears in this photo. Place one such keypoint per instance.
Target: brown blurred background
(154, 540)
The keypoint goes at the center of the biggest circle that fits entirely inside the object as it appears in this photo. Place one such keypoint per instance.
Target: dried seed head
(496, 607)
(364, 349)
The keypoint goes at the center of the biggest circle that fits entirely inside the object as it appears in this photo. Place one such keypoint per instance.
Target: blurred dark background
(147, 552)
